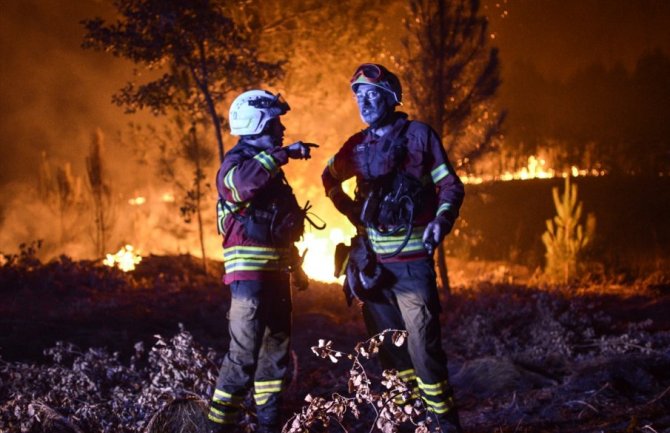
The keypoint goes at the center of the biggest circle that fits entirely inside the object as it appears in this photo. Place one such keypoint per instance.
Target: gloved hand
(435, 231)
(299, 278)
(300, 150)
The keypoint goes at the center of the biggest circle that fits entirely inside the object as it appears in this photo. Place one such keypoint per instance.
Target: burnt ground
(522, 358)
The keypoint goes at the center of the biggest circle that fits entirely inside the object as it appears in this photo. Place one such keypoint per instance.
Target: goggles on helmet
(367, 73)
(378, 76)
(276, 104)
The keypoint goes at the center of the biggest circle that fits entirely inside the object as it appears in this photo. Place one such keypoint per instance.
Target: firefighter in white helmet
(259, 219)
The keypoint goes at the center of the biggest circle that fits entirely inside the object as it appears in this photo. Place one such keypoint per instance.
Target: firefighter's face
(372, 103)
(274, 134)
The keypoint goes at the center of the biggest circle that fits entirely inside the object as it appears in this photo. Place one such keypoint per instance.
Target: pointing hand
(300, 150)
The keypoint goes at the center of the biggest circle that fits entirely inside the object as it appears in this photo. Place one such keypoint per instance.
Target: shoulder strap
(400, 134)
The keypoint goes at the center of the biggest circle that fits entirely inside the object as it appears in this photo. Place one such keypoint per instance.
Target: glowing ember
(125, 259)
(319, 262)
(167, 197)
(137, 201)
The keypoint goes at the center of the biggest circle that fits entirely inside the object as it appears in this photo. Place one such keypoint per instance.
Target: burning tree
(452, 77)
(175, 37)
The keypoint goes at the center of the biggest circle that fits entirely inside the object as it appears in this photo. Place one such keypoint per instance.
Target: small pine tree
(565, 237)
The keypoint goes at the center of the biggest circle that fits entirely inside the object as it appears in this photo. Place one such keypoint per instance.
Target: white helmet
(251, 111)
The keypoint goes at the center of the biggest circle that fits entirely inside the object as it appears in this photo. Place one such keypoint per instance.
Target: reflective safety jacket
(425, 160)
(247, 171)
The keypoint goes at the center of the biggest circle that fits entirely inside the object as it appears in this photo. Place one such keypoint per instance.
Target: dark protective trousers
(411, 302)
(259, 326)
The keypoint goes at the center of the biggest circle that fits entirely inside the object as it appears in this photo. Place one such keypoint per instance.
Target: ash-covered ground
(522, 358)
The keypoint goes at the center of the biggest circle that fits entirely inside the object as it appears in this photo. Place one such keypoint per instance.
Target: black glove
(299, 278)
(300, 150)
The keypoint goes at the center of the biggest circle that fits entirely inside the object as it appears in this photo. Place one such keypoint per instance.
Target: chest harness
(273, 216)
(390, 196)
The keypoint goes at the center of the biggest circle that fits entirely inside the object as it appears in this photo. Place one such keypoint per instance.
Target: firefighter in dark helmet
(260, 220)
(407, 200)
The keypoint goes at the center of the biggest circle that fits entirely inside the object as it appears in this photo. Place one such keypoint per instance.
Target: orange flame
(320, 251)
(537, 168)
(125, 259)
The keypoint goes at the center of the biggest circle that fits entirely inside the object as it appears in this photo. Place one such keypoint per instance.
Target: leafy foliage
(175, 40)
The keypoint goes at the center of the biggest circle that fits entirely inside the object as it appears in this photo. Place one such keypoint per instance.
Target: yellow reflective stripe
(252, 252)
(228, 183)
(439, 411)
(262, 399)
(439, 385)
(248, 258)
(222, 212)
(266, 161)
(439, 173)
(227, 403)
(388, 244)
(268, 386)
(222, 417)
(432, 392)
(438, 407)
(408, 374)
(331, 168)
(239, 267)
(432, 388)
(223, 396)
(443, 207)
(221, 413)
(220, 217)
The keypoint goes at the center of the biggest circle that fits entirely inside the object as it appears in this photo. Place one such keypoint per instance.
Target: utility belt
(273, 226)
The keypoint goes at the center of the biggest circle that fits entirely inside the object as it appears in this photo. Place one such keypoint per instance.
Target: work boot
(450, 422)
(213, 427)
(268, 428)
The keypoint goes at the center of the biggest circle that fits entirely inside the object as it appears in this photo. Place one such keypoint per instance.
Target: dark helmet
(377, 75)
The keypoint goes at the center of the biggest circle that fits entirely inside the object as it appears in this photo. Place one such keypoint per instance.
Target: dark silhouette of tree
(451, 76)
(100, 194)
(198, 156)
(172, 37)
(61, 191)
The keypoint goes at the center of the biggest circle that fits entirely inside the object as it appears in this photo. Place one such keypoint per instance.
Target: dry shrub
(182, 415)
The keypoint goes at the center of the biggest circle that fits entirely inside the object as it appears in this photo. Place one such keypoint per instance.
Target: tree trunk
(203, 84)
(201, 231)
(198, 198)
(216, 122)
